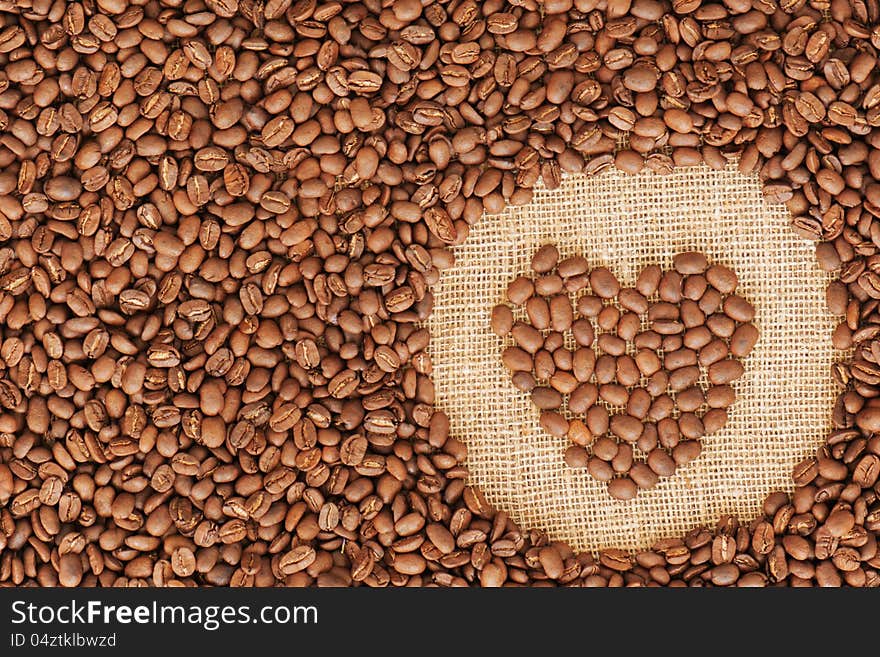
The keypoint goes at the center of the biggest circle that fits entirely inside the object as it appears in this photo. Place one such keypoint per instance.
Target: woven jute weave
(624, 222)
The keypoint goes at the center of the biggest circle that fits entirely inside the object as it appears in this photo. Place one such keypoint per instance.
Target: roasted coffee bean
(622, 488)
(502, 320)
(603, 283)
(690, 263)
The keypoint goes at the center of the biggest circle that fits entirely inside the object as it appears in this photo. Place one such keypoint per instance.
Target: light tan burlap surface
(784, 399)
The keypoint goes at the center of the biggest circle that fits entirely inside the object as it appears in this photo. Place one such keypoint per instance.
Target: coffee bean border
(222, 221)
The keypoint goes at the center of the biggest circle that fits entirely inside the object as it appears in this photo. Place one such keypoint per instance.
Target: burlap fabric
(624, 222)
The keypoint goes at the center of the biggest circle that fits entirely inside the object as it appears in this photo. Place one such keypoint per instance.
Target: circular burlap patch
(625, 223)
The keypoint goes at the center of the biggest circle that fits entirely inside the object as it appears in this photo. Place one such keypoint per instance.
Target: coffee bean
(520, 290)
(644, 477)
(502, 320)
(686, 451)
(546, 398)
(725, 371)
(516, 359)
(603, 283)
(297, 559)
(690, 263)
(622, 488)
(554, 423)
(743, 340)
(527, 337)
(576, 456)
(183, 562)
(545, 259)
(738, 309)
(573, 266)
(551, 562)
(722, 278)
(70, 570)
(561, 313)
(626, 427)
(538, 312)
(661, 463)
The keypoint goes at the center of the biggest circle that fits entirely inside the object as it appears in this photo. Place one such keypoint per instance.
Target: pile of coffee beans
(220, 225)
(650, 367)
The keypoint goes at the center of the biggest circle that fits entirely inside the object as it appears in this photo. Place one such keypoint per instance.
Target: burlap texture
(624, 222)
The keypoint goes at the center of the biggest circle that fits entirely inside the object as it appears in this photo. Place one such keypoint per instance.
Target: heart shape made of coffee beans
(634, 376)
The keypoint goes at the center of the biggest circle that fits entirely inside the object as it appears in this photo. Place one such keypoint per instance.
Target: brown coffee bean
(721, 325)
(867, 471)
(722, 278)
(739, 309)
(608, 318)
(70, 570)
(545, 259)
(551, 562)
(686, 451)
(626, 427)
(661, 463)
(573, 266)
(622, 488)
(516, 359)
(725, 371)
(600, 470)
(502, 320)
(63, 189)
(297, 559)
(538, 312)
(520, 290)
(527, 337)
(576, 456)
(691, 262)
(553, 423)
(690, 400)
(714, 420)
(546, 398)
(548, 285)
(743, 340)
(603, 283)
(561, 313)
(643, 476)
(583, 333)
(183, 562)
